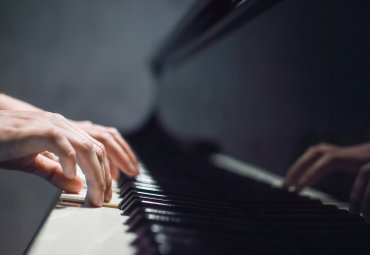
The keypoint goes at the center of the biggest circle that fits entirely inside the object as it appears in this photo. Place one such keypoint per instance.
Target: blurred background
(296, 75)
(85, 59)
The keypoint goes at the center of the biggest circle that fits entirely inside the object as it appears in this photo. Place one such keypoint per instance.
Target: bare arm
(11, 103)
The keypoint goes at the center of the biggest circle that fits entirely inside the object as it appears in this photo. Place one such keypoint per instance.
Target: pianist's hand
(119, 153)
(28, 138)
(320, 160)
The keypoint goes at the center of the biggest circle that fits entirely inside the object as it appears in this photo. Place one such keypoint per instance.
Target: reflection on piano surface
(185, 205)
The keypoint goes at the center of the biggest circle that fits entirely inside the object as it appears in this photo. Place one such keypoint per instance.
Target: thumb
(52, 171)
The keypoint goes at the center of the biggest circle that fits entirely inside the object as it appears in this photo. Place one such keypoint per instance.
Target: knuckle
(86, 122)
(100, 152)
(54, 116)
(72, 155)
(48, 114)
(87, 146)
(323, 147)
(98, 144)
(315, 149)
(320, 149)
(53, 133)
(101, 146)
(114, 130)
(104, 137)
(58, 116)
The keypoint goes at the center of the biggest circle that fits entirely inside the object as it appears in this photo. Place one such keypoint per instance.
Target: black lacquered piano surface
(181, 204)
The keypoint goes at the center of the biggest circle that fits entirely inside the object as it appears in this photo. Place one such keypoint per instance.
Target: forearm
(10, 103)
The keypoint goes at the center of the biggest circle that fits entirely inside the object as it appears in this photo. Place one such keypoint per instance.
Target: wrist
(10, 103)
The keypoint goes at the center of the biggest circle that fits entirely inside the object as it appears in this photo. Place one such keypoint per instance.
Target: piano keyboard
(176, 213)
(203, 209)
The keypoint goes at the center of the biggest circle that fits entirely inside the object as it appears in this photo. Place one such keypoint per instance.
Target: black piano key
(211, 216)
(172, 197)
(176, 214)
(173, 193)
(128, 208)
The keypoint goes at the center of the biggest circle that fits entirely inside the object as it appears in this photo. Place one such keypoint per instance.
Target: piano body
(191, 197)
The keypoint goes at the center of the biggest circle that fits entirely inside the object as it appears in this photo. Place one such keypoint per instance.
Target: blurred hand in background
(322, 159)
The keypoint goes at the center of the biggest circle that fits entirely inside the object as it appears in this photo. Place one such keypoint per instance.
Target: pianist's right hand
(27, 139)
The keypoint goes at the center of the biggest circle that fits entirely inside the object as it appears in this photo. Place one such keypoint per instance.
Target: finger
(121, 159)
(126, 167)
(301, 165)
(92, 168)
(359, 189)
(320, 168)
(117, 154)
(113, 169)
(52, 171)
(116, 134)
(108, 177)
(51, 141)
(95, 174)
(66, 124)
(103, 160)
(50, 155)
(115, 144)
(353, 157)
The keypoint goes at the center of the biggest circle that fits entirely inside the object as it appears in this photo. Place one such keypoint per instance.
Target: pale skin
(49, 145)
(322, 159)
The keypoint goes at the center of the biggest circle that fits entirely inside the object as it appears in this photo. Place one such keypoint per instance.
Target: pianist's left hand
(322, 159)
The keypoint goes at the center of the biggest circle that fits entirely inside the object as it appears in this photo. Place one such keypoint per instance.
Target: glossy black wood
(184, 205)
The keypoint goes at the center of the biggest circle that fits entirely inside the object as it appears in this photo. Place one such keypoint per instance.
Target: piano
(195, 197)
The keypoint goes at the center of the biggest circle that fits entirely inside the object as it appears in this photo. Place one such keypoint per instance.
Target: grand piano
(244, 86)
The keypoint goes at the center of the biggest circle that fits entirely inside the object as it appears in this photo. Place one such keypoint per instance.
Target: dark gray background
(85, 59)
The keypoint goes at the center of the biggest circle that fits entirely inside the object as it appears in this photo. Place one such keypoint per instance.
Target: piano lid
(291, 74)
(205, 22)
